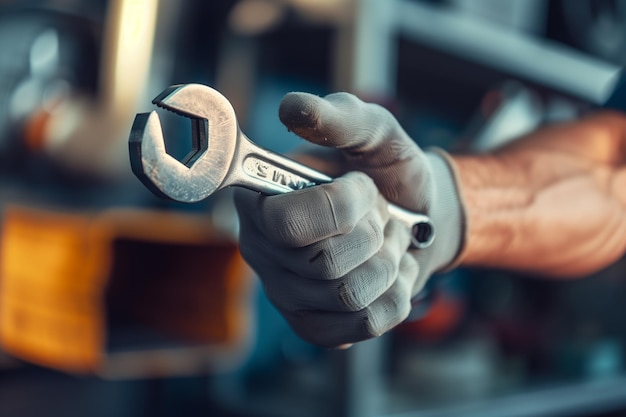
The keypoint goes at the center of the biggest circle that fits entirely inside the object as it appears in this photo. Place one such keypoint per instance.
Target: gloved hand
(330, 258)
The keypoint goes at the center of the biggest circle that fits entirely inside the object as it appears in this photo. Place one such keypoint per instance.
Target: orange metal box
(121, 293)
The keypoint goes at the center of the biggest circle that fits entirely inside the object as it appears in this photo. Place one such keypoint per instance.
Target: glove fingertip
(299, 111)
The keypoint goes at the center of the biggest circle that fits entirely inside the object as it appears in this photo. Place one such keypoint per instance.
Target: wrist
(495, 196)
(450, 204)
(447, 212)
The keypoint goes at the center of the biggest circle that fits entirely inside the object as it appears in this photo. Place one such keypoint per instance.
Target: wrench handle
(270, 173)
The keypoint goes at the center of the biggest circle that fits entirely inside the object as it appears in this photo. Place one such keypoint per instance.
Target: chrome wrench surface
(223, 156)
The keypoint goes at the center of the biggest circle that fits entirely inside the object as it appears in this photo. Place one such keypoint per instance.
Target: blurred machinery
(100, 279)
(72, 78)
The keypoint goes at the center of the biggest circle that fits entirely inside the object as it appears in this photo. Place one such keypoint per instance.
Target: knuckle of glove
(334, 257)
(308, 216)
(362, 286)
(296, 219)
(389, 310)
(350, 197)
(369, 281)
(344, 100)
(326, 262)
(373, 114)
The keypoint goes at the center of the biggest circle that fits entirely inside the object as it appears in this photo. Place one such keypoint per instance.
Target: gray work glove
(330, 258)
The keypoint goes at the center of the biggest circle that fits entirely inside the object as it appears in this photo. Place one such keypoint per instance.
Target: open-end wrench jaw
(204, 169)
(168, 99)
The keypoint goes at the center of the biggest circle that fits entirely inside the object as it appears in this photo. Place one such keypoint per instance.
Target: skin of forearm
(542, 208)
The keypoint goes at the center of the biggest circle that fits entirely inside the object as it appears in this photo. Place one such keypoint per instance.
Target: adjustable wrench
(223, 156)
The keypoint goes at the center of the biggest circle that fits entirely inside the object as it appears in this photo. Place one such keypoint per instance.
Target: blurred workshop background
(116, 303)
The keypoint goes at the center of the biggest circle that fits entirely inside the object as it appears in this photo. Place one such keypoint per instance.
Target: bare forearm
(540, 211)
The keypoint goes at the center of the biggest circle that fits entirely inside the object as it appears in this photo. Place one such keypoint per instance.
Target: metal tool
(223, 156)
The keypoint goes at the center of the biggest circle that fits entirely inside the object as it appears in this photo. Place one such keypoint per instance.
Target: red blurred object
(444, 315)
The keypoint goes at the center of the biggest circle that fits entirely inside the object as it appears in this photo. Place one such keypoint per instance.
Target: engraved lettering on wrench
(260, 169)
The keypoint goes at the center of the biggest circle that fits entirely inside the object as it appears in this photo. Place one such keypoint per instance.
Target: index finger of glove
(301, 218)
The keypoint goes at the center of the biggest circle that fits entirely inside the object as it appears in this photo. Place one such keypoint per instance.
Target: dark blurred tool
(70, 77)
(45, 56)
(230, 159)
(85, 134)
